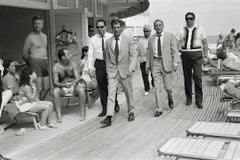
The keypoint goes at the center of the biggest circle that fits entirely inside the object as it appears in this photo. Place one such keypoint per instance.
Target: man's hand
(205, 60)
(175, 66)
(147, 70)
(91, 72)
(130, 72)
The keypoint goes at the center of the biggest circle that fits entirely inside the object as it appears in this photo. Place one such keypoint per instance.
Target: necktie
(116, 49)
(159, 46)
(103, 49)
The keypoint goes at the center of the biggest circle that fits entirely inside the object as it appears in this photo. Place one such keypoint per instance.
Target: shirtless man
(65, 78)
(35, 55)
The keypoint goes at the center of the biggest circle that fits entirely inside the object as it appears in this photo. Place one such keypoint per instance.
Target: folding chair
(204, 149)
(215, 129)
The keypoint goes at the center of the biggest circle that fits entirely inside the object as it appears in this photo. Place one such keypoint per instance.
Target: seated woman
(28, 101)
(10, 83)
(91, 82)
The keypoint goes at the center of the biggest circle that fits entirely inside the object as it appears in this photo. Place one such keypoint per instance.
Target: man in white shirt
(96, 60)
(192, 43)
(142, 53)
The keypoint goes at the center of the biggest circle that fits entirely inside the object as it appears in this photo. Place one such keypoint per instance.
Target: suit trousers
(102, 82)
(145, 76)
(159, 74)
(192, 68)
(112, 89)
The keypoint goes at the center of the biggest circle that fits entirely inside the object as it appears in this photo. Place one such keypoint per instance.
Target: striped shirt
(191, 38)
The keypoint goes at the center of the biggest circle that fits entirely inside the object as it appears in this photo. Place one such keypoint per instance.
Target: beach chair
(204, 149)
(215, 129)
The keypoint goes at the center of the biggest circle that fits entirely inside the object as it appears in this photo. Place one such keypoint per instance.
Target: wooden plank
(236, 155)
(213, 149)
(231, 150)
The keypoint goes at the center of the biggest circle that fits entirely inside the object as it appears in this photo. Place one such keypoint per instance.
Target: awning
(126, 8)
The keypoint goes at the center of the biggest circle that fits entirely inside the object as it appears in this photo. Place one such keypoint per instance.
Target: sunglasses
(146, 31)
(98, 27)
(189, 18)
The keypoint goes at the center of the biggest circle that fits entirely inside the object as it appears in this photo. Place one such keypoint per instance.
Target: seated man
(65, 79)
(231, 89)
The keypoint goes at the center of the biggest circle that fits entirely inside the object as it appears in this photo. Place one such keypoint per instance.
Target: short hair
(237, 36)
(117, 21)
(84, 49)
(233, 30)
(221, 53)
(6, 65)
(157, 20)
(190, 13)
(61, 53)
(101, 20)
(147, 27)
(37, 18)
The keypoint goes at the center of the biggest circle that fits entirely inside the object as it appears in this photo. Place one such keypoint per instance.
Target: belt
(100, 60)
(157, 57)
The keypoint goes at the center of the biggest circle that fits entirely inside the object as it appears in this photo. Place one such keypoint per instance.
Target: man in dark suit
(121, 61)
(162, 59)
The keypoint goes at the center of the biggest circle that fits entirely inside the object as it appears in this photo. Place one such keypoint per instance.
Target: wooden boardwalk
(138, 140)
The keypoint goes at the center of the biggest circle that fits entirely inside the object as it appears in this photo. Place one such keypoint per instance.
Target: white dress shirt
(95, 48)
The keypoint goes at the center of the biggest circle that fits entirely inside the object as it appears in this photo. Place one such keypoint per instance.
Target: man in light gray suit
(162, 59)
(121, 59)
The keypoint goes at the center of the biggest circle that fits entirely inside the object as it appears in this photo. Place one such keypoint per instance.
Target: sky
(216, 16)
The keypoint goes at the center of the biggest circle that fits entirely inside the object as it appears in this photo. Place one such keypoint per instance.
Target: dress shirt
(155, 54)
(142, 49)
(95, 48)
(119, 42)
(199, 35)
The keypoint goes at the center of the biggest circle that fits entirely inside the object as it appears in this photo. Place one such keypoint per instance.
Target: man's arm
(56, 79)
(26, 49)
(148, 56)
(133, 57)
(205, 47)
(174, 52)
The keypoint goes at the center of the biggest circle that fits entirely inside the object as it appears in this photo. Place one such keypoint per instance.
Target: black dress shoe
(102, 114)
(188, 103)
(131, 117)
(106, 122)
(4, 158)
(170, 104)
(117, 108)
(199, 105)
(158, 113)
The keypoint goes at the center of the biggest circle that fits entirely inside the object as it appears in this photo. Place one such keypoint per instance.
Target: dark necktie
(103, 49)
(116, 49)
(159, 46)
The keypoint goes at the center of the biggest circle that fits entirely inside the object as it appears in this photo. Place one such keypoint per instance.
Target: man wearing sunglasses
(96, 60)
(192, 43)
(142, 53)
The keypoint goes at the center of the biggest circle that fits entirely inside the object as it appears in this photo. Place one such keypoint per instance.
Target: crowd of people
(109, 61)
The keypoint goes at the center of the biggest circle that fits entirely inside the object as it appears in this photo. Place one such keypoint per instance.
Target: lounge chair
(204, 149)
(215, 129)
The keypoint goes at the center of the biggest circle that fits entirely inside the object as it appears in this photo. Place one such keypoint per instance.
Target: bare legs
(79, 92)
(43, 87)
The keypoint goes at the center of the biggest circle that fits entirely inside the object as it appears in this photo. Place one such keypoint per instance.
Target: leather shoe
(199, 105)
(117, 108)
(102, 114)
(106, 122)
(131, 117)
(188, 103)
(158, 113)
(170, 104)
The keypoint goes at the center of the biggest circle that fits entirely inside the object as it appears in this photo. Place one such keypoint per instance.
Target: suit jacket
(127, 58)
(169, 51)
